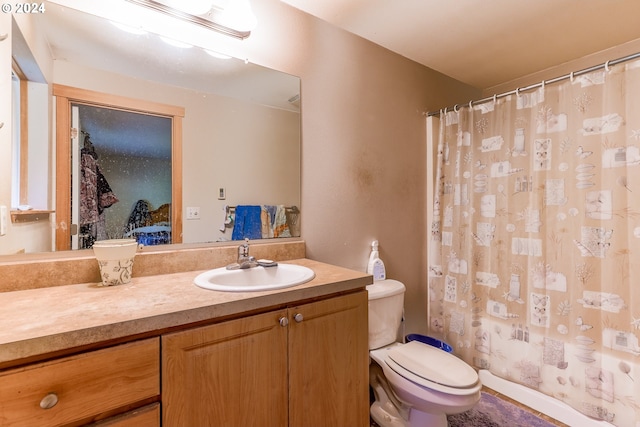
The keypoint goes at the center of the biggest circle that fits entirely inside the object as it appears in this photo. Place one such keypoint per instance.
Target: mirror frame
(67, 95)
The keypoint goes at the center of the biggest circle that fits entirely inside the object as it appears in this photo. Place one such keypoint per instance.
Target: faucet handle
(243, 249)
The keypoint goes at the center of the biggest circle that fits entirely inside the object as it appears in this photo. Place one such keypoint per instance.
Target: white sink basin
(254, 279)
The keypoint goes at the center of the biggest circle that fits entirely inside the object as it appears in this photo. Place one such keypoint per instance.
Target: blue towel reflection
(247, 223)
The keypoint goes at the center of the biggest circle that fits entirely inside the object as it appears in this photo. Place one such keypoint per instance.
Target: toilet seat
(431, 367)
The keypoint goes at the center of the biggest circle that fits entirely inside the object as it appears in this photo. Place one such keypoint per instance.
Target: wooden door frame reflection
(64, 97)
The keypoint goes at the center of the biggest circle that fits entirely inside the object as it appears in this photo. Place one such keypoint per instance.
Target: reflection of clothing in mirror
(95, 196)
(148, 226)
(140, 215)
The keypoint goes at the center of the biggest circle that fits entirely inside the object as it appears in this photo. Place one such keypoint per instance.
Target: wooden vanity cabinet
(226, 374)
(84, 388)
(301, 366)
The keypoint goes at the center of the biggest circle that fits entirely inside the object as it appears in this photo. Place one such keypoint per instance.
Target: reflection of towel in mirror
(268, 219)
(280, 226)
(248, 223)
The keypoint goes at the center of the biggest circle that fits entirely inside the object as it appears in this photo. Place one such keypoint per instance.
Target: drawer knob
(49, 401)
(284, 321)
(298, 317)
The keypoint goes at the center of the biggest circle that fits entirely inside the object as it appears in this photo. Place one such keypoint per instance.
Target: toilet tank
(386, 301)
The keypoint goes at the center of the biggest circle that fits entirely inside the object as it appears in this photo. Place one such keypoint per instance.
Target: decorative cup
(115, 258)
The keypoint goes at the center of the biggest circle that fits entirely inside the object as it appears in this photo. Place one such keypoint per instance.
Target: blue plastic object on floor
(431, 341)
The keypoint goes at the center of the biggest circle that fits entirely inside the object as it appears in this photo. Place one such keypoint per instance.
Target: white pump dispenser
(376, 266)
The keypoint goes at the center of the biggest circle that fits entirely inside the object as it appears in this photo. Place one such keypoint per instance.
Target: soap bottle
(376, 266)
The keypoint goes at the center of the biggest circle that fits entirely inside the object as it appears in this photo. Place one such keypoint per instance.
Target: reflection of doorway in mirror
(121, 176)
(125, 111)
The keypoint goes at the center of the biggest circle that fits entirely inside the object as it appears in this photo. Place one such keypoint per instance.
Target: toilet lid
(422, 361)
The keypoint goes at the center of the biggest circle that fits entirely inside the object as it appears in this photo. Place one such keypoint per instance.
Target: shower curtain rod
(571, 75)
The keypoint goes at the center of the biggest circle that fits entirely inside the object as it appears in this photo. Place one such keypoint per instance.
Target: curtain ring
(495, 98)
(445, 110)
(606, 66)
(455, 108)
(518, 92)
(542, 85)
(470, 105)
(571, 76)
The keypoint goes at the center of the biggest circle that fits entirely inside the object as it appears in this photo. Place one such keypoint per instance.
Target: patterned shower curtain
(534, 269)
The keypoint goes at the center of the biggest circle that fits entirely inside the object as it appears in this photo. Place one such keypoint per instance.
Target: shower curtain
(534, 269)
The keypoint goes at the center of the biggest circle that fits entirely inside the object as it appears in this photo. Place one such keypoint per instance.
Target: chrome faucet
(244, 259)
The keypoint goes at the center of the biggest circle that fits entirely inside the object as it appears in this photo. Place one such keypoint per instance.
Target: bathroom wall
(363, 133)
(363, 143)
(5, 108)
(21, 236)
(566, 68)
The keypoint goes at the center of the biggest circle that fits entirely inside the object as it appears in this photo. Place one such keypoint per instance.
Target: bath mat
(492, 411)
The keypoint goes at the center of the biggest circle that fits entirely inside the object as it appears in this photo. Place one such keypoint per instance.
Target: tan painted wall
(565, 69)
(363, 145)
(363, 130)
(5, 109)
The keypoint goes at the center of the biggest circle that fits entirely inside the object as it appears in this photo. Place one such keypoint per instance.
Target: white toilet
(415, 384)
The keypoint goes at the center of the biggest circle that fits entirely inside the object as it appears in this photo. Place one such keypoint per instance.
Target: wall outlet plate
(193, 213)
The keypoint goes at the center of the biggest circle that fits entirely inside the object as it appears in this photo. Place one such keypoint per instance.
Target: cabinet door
(329, 363)
(229, 374)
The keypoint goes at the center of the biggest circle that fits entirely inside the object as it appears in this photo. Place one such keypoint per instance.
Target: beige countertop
(37, 322)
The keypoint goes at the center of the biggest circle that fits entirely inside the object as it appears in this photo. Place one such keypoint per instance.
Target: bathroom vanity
(162, 351)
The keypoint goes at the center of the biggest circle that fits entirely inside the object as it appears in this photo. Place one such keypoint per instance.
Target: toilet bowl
(415, 384)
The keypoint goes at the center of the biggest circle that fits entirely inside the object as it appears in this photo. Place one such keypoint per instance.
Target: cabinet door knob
(298, 317)
(284, 321)
(49, 401)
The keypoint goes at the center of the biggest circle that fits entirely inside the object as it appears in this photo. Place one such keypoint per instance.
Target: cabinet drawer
(147, 416)
(84, 385)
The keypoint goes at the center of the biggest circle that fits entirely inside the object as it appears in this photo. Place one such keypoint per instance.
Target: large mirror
(239, 136)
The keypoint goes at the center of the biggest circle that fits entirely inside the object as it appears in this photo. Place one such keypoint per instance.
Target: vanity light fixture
(193, 7)
(235, 19)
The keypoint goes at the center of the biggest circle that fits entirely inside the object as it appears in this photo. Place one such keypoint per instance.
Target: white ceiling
(485, 42)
